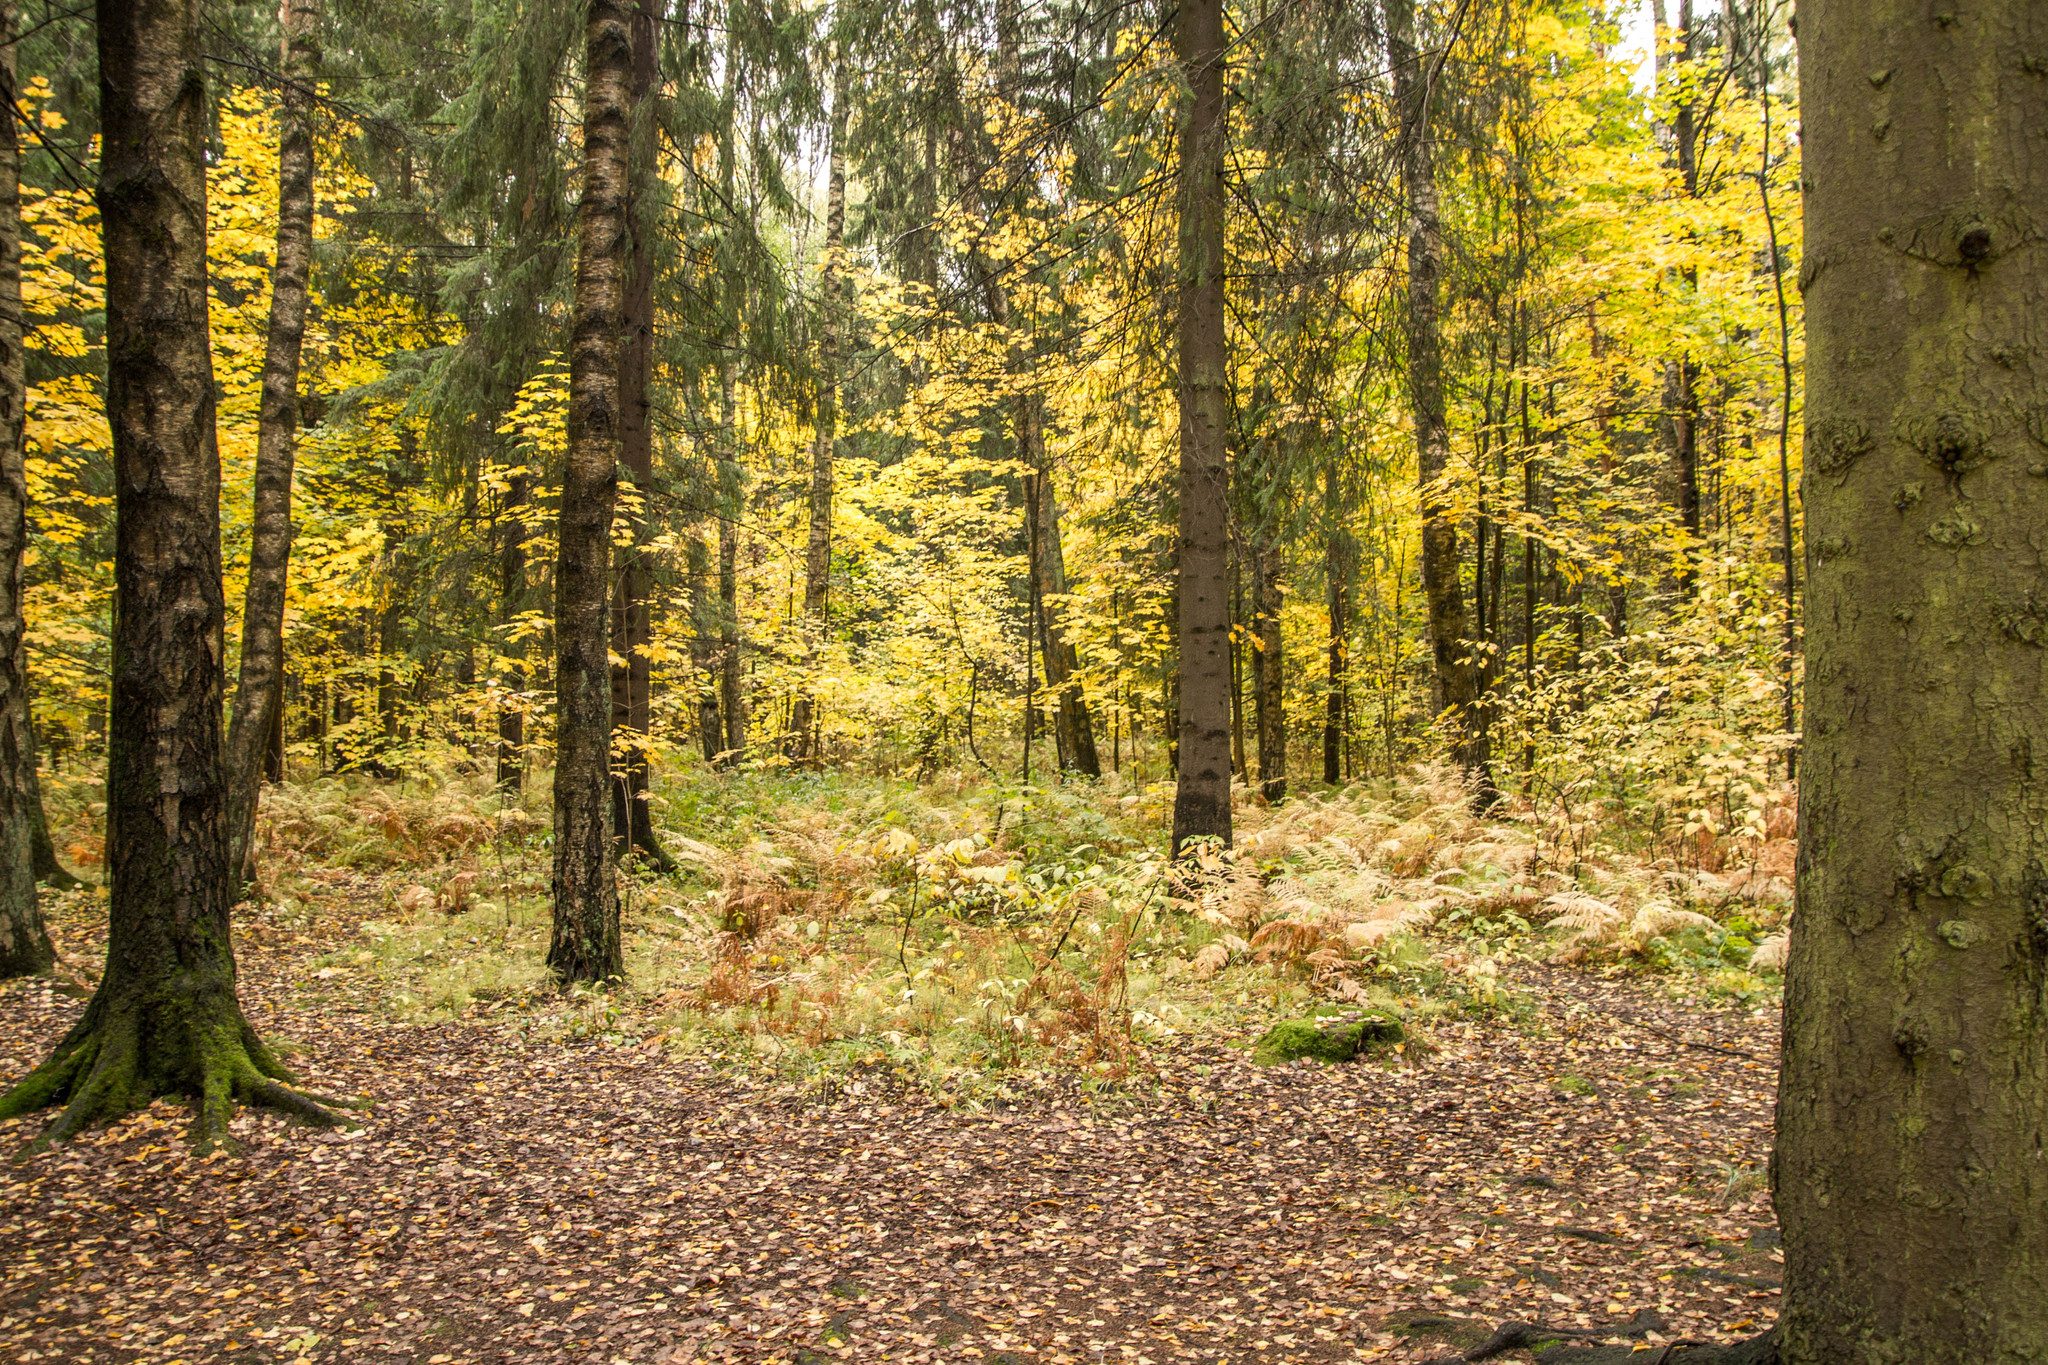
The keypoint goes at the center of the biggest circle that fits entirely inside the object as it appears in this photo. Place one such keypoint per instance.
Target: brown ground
(509, 1201)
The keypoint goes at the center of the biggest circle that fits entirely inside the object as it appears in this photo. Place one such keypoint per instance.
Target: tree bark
(803, 744)
(1339, 555)
(732, 694)
(1074, 725)
(1459, 675)
(1913, 1100)
(1268, 667)
(511, 602)
(704, 617)
(585, 944)
(1681, 376)
(164, 1019)
(259, 691)
(632, 615)
(1201, 805)
(25, 947)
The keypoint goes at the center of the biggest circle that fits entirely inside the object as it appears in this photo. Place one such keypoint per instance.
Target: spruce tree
(1913, 1101)
(1201, 806)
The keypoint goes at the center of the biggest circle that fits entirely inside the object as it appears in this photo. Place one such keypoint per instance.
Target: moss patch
(1326, 1040)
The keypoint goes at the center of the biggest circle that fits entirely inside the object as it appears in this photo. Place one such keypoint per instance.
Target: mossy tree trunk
(585, 944)
(259, 691)
(165, 1019)
(1201, 804)
(1913, 1102)
(24, 941)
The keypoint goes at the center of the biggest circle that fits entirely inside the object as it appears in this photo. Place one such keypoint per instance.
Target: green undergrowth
(964, 939)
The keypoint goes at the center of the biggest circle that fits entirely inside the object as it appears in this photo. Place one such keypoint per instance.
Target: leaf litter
(1593, 1167)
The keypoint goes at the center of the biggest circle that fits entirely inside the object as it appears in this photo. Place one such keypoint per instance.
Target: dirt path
(508, 1202)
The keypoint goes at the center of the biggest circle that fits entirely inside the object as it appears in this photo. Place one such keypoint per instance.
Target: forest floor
(1592, 1161)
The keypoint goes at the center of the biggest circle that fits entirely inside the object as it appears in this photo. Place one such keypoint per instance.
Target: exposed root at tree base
(118, 1059)
(1524, 1336)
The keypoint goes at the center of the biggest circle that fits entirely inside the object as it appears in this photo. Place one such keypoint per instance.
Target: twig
(1687, 1042)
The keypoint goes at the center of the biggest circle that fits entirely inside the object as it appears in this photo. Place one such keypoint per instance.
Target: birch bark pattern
(25, 947)
(165, 1020)
(1458, 672)
(803, 744)
(259, 690)
(1201, 803)
(1913, 1100)
(585, 943)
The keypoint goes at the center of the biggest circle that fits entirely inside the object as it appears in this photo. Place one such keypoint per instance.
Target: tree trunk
(802, 744)
(25, 947)
(1073, 723)
(164, 1019)
(632, 617)
(732, 691)
(511, 602)
(1201, 804)
(703, 622)
(1338, 556)
(1681, 376)
(1913, 1100)
(259, 692)
(731, 666)
(585, 943)
(48, 869)
(390, 623)
(1268, 668)
(1458, 672)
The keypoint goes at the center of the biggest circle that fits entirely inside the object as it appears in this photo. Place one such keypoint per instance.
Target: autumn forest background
(1496, 521)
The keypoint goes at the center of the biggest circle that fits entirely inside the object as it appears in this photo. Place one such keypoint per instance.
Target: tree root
(1757, 1350)
(121, 1056)
(1522, 1336)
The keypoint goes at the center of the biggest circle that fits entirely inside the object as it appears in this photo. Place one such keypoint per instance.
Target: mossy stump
(1326, 1040)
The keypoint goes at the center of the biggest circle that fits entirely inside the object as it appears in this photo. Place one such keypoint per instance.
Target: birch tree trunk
(585, 944)
(165, 1020)
(259, 692)
(25, 947)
